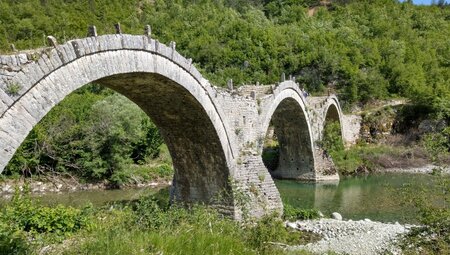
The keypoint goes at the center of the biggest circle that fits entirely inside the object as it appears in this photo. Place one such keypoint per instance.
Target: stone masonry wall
(215, 136)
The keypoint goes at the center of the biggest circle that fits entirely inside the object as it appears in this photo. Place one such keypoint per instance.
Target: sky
(427, 2)
(421, 1)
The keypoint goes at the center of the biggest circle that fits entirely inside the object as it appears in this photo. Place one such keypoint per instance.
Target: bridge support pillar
(325, 170)
(255, 193)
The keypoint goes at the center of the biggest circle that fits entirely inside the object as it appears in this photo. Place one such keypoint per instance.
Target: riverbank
(363, 237)
(61, 185)
(427, 169)
(64, 184)
(146, 224)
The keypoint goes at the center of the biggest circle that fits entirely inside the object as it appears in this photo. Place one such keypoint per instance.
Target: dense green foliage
(146, 226)
(23, 219)
(364, 50)
(332, 137)
(438, 145)
(93, 133)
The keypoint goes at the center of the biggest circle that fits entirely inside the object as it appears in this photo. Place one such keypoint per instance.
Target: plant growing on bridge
(13, 89)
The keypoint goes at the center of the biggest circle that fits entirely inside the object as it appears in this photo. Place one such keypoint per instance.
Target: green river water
(377, 197)
(380, 197)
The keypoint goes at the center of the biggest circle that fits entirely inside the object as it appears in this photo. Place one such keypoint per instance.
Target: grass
(147, 226)
(115, 237)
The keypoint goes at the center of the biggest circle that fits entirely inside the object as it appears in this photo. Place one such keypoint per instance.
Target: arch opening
(287, 151)
(332, 114)
(331, 135)
(201, 170)
(199, 160)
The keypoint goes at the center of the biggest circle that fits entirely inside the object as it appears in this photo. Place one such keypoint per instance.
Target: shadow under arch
(201, 170)
(292, 130)
(332, 114)
(173, 98)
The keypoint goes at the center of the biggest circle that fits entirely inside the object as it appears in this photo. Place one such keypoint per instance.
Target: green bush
(361, 158)
(269, 229)
(332, 138)
(292, 213)
(24, 214)
(90, 135)
(12, 241)
(437, 144)
(164, 171)
(433, 235)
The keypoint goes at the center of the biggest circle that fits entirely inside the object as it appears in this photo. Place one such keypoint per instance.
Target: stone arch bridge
(215, 136)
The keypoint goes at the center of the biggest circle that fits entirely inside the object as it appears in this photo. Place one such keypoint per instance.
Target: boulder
(336, 216)
(291, 225)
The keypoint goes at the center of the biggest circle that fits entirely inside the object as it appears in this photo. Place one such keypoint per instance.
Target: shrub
(437, 144)
(433, 235)
(12, 241)
(270, 229)
(332, 139)
(293, 213)
(24, 214)
(164, 171)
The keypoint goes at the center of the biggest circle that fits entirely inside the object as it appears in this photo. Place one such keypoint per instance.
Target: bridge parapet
(19, 72)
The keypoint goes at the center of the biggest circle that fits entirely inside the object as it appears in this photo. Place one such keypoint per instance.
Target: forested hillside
(362, 50)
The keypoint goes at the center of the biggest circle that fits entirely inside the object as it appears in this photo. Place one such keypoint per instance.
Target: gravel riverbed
(427, 169)
(352, 237)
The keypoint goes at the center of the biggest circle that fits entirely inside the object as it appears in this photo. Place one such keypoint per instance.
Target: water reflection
(377, 197)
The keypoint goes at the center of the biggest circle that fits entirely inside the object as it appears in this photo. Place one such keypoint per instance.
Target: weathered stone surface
(215, 137)
(51, 40)
(336, 216)
(350, 133)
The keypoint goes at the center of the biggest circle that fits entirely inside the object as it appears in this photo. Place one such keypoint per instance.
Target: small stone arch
(291, 122)
(332, 112)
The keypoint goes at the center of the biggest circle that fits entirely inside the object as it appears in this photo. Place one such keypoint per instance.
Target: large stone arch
(288, 113)
(162, 82)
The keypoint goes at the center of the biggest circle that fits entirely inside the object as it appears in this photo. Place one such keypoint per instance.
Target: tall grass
(146, 226)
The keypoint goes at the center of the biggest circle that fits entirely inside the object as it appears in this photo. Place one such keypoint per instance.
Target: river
(380, 197)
